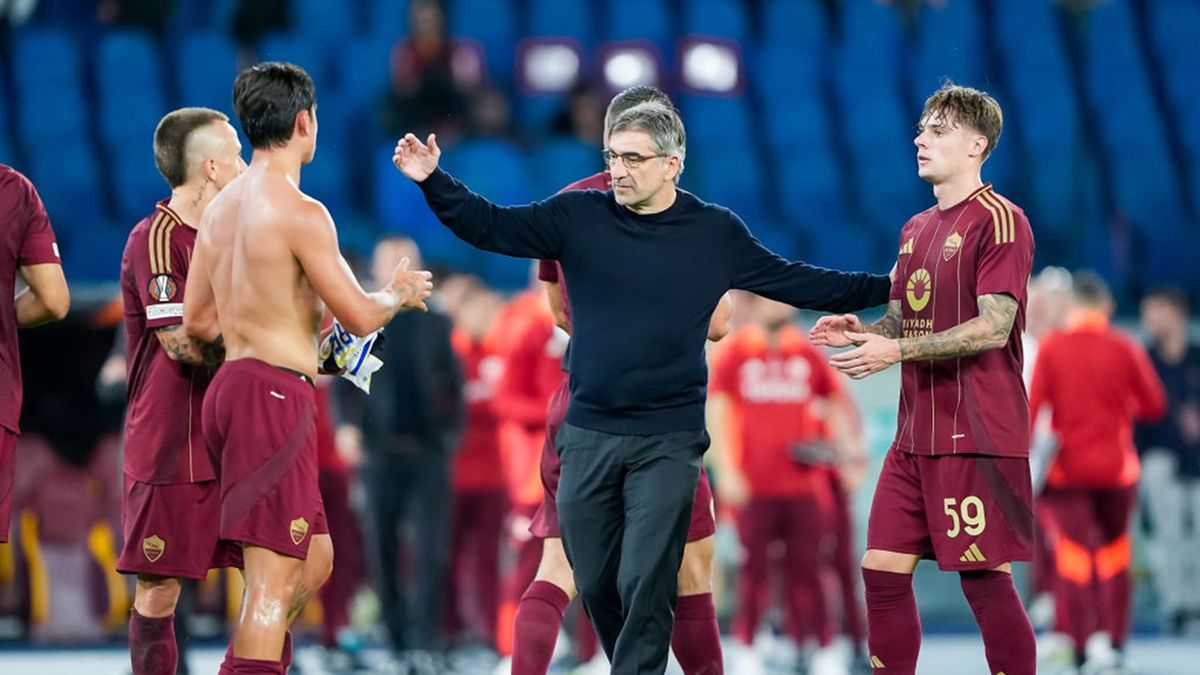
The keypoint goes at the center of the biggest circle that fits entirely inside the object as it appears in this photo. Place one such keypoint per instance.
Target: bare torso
(266, 307)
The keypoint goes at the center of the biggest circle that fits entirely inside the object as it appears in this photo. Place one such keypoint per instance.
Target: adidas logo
(972, 554)
(907, 248)
(876, 664)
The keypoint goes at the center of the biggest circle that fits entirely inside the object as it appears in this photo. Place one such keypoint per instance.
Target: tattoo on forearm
(891, 323)
(187, 349)
(987, 331)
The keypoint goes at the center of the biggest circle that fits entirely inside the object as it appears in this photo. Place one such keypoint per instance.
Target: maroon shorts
(8, 472)
(969, 512)
(545, 521)
(171, 530)
(260, 424)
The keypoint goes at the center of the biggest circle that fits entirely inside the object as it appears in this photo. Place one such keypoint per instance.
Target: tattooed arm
(830, 331)
(184, 348)
(989, 330)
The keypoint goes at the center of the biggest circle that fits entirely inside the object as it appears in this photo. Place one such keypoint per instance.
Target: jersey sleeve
(548, 271)
(1006, 254)
(897, 291)
(39, 246)
(160, 274)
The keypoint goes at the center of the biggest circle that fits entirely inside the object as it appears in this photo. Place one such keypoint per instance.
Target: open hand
(411, 286)
(873, 354)
(830, 331)
(416, 159)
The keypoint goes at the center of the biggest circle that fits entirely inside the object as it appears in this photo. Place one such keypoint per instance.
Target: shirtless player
(266, 264)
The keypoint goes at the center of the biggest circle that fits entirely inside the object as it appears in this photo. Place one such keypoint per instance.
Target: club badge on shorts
(162, 288)
(299, 530)
(153, 547)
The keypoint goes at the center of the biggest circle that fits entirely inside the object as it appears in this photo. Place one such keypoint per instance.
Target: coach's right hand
(411, 286)
(416, 159)
(830, 331)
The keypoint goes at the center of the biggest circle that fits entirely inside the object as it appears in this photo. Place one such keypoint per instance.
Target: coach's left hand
(873, 354)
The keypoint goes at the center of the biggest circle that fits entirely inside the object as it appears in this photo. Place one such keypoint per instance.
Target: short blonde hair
(972, 107)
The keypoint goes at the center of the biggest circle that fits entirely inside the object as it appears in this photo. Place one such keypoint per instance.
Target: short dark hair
(1172, 296)
(267, 97)
(1090, 289)
(972, 107)
(635, 95)
(171, 139)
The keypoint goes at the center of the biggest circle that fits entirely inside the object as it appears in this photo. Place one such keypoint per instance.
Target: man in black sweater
(646, 264)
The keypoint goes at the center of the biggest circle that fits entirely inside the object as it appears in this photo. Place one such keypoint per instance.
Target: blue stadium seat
(387, 19)
(492, 168)
(949, 47)
(795, 22)
(1174, 25)
(364, 72)
(780, 239)
(560, 162)
(871, 23)
(326, 180)
(717, 119)
(723, 18)
(398, 203)
(729, 175)
(324, 20)
(811, 190)
(34, 70)
(311, 55)
(655, 23)
(137, 184)
(785, 71)
(129, 77)
(69, 189)
(535, 112)
(93, 253)
(796, 123)
(45, 115)
(850, 246)
(491, 23)
(206, 65)
(555, 18)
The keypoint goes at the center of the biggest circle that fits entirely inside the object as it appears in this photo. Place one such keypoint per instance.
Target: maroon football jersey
(25, 239)
(948, 258)
(551, 270)
(163, 442)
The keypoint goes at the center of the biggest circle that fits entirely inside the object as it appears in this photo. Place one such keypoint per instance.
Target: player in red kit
(171, 506)
(696, 638)
(27, 249)
(774, 397)
(955, 485)
(1095, 381)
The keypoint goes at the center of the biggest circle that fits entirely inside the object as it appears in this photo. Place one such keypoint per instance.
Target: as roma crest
(153, 547)
(951, 246)
(299, 529)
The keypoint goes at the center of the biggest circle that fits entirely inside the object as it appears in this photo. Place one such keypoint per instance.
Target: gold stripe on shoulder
(153, 243)
(166, 247)
(1006, 211)
(996, 220)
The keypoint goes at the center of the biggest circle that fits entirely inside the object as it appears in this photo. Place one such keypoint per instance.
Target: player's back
(266, 307)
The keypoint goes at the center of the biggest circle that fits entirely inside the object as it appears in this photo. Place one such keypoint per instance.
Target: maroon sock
(152, 649)
(587, 643)
(535, 629)
(1008, 637)
(256, 667)
(696, 638)
(1117, 595)
(893, 624)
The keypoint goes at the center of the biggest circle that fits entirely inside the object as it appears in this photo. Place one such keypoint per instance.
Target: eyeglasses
(631, 160)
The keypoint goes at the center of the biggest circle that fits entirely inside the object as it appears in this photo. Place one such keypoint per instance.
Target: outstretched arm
(989, 330)
(531, 231)
(830, 331)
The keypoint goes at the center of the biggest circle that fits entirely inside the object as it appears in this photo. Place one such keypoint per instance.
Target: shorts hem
(282, 548)
(171, 573)
(982, 565)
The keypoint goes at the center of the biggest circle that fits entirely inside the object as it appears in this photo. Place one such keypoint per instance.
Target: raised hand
(416, 159)
(830, 331)
(411, 286)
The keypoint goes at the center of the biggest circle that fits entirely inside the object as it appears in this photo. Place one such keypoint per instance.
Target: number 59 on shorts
(966, 516)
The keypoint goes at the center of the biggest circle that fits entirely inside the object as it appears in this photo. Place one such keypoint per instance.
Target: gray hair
(665, 128)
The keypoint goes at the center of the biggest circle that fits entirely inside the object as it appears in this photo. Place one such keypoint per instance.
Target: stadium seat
(137, 185)
(555, 18)
(729, 175)
(655, 22)
(32, 70)
(786, 71)
(310, 54)
(811, 189)
(491, 23)
(43, 115)
(560, 162)
(798, 122)
(70, 189)
(325, 179)
(801, 23)
(129, 79)
(948, 47)
(717, 119)
(364, 73)
(323, 20)
(722, 18)
(492, 168)
(206, 65)
(387, 20)
(93, 253)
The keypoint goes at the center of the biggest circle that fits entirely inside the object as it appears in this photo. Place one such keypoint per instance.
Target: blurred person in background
(432, 76)
(583, 117)
(1095, 381)
(776, 404)
(29, 251)
(480, 500)
(955, 484)
(1171, 459)
(408, 429)
(171, 508)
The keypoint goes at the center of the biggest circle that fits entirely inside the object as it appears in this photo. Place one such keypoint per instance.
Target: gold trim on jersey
(160, 240)
(1002, 216)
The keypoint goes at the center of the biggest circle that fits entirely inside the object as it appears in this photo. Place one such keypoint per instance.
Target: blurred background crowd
(800, 115)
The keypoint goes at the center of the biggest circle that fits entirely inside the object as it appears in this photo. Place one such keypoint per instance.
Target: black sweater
(642, 290)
